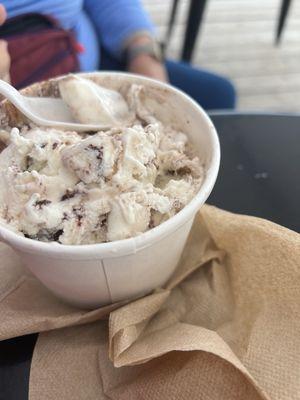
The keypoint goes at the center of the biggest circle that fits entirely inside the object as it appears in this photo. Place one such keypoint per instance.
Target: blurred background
(237, 39)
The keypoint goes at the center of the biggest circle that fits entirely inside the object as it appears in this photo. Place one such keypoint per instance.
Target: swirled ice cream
(84, 188)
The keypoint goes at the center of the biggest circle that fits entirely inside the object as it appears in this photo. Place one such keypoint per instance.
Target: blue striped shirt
(109, 22)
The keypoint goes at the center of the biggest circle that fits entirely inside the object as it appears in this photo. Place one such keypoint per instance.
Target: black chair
(285, 5)
(194, 22)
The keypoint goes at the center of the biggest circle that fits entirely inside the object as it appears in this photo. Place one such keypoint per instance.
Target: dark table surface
(259, 175)
(260, 166)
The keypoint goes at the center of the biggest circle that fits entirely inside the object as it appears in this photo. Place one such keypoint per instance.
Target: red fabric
(40, 55)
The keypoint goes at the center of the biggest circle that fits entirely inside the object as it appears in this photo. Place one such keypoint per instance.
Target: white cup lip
(131, 245)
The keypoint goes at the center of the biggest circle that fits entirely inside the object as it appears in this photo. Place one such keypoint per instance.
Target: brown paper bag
(226, 326)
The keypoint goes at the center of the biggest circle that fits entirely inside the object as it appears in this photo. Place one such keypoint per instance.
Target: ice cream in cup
(101, 217)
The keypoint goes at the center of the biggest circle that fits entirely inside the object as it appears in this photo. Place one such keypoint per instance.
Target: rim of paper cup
(145, 239)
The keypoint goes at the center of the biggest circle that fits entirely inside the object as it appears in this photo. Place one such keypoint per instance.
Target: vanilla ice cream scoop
(93, 104)
(94, 158)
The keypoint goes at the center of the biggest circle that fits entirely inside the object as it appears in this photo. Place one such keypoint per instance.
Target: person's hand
(2, 14)
(4, 61)
(145, 64)
(4, 56)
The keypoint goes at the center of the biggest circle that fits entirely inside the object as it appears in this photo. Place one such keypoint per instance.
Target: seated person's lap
(210, 90)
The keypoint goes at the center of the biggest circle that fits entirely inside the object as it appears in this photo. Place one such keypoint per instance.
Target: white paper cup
(90, 276)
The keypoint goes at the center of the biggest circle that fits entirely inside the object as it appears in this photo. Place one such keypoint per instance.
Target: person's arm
(123, 24)
(4, 56)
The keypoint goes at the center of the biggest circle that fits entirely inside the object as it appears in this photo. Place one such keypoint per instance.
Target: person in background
(124, 32)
